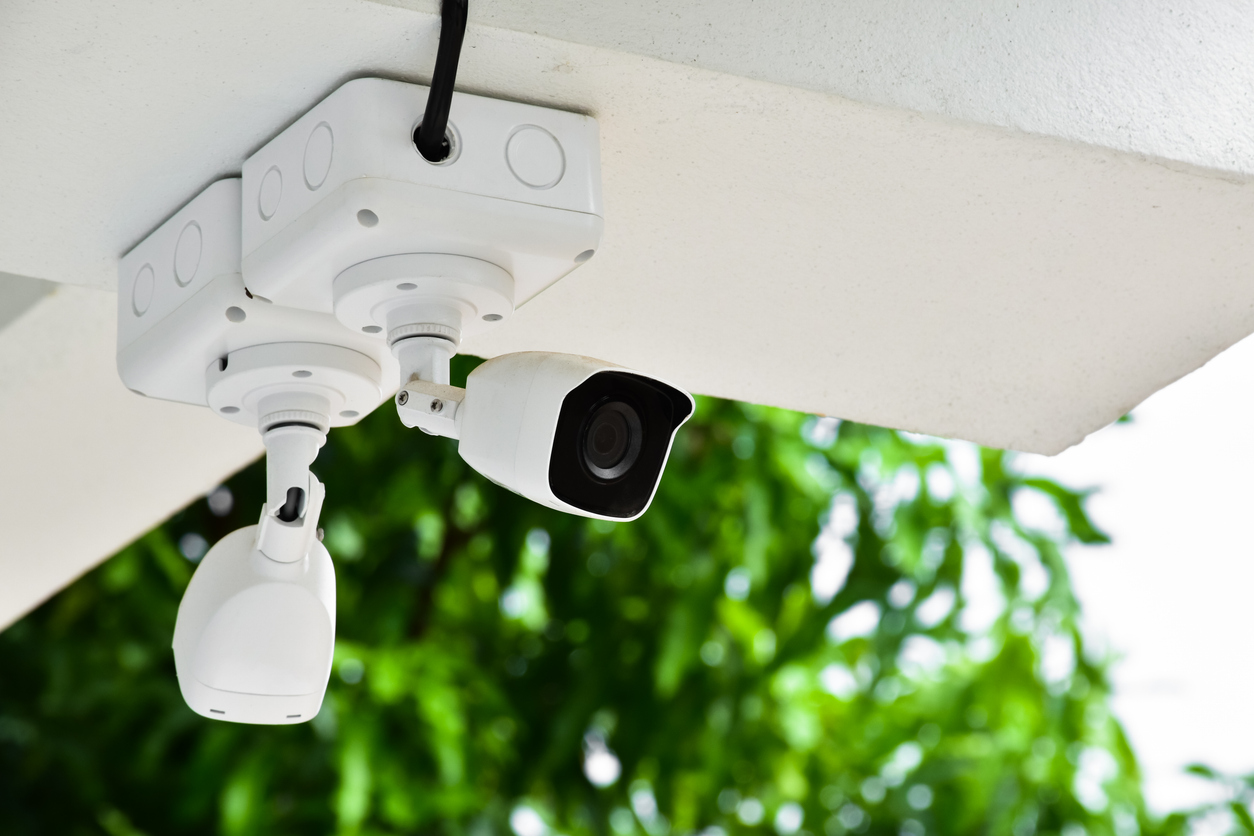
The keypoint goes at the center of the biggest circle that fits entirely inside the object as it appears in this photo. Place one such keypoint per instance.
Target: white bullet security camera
(573, 433)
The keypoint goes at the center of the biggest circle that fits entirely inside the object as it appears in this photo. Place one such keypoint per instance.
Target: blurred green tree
(818, 628)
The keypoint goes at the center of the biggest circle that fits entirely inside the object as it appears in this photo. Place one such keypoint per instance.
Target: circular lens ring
(608, 435)
(613, 463)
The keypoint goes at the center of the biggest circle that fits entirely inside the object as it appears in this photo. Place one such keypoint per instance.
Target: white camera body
(254, 638)
(572, 433)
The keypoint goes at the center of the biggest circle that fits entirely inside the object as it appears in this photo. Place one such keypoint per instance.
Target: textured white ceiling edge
(773, 244)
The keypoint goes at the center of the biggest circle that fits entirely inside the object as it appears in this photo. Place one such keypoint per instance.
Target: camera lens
(612, 439)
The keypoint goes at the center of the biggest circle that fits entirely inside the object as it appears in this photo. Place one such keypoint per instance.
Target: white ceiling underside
(990, 222)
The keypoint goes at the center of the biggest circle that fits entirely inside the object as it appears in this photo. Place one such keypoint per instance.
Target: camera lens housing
(612, 439)
(574, 433)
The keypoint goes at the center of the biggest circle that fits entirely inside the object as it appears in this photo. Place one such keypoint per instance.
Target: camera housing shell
(523, 424)
(254, 638)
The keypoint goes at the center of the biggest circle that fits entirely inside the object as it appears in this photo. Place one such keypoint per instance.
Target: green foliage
(818, 627)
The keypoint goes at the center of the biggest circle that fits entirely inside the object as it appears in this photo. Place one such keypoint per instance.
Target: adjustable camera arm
(289, 519)
(425, 400)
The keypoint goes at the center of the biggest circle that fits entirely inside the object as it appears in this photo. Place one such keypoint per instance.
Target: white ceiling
(880, 211)
(1164, 79)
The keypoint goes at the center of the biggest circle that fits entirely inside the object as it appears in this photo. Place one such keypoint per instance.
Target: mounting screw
(402, 397)
(437, 406)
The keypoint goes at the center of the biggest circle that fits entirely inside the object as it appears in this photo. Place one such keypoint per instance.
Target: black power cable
(429, 137)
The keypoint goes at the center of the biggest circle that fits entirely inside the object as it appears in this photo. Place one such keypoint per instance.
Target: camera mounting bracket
(289, 391)
(284, 383)
(423, 294)
(434, 408)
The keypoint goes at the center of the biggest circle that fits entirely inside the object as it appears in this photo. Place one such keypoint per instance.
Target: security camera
(343, 258)
(255, 631)
(573, 433)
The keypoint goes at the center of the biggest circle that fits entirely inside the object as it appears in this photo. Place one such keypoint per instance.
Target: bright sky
(1173, 595)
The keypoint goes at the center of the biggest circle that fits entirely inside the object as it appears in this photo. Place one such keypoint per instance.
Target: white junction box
(520, 190)
(183, 311)
(341, 244)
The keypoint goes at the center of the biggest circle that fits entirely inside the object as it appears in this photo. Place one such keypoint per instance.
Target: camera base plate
(304, 383)
(392, 295)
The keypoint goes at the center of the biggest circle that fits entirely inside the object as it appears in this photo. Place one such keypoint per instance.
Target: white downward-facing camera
(256, 627)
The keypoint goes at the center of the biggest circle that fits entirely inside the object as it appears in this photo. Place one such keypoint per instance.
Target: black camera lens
(612, 438)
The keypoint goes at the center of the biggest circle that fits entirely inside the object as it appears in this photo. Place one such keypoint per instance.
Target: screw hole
(372, 329)
(302, 373)
(236, 314)
(367, 218)
(229, 410)
(492, 317)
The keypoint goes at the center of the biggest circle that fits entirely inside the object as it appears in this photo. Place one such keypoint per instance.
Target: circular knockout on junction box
(535, 157)
(141, 293)
(187, 254)
(318, 152)
(270, 193)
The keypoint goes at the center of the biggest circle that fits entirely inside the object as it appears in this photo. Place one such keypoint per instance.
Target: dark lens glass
(612, 440)
(607, 438)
